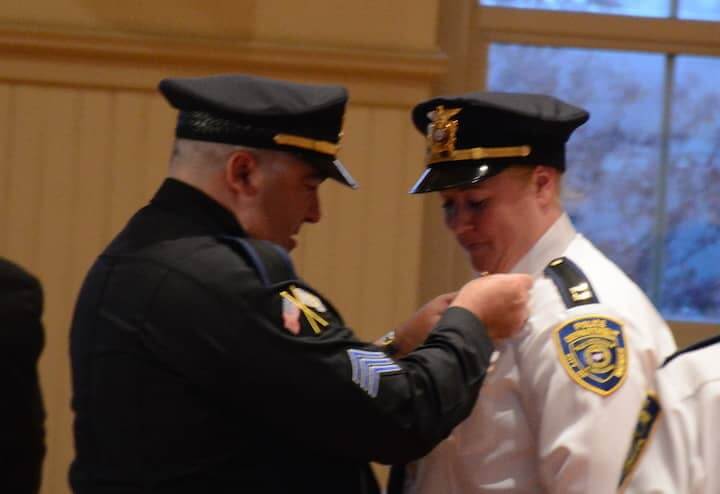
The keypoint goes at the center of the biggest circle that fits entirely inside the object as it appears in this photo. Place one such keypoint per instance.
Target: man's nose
(313, 214)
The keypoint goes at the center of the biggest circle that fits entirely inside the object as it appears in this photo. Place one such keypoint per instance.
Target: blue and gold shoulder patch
(648, 416)
(592, 351)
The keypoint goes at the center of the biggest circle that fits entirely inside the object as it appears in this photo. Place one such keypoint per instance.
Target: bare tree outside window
(691, 281)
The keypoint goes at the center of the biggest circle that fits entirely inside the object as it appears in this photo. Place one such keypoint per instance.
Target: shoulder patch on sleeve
(646, 420)
(574, 287)
(592, 351)
(368, 367)
(271, 263)
(296, 301)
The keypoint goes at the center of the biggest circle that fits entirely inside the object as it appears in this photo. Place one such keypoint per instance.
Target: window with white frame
(643, 179)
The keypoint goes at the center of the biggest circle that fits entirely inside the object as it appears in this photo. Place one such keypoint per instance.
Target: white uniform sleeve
(682, 452)
(582, 436)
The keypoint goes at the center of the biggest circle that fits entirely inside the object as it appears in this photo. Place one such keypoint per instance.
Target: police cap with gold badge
(258, 112)
(474, 136)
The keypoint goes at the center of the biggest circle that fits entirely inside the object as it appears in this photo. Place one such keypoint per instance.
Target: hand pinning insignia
(368, 367)
(295, 297)
(592, 351)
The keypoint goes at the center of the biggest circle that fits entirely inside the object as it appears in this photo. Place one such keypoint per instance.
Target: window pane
(613, 160)
(691, 282)
(645, 8)
(707, 10)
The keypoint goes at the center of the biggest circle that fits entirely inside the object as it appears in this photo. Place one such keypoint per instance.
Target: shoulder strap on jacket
(271, 263)
(695, 346)
(574, 287)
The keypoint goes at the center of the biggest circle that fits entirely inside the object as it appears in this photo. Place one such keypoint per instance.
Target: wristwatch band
(388, 344)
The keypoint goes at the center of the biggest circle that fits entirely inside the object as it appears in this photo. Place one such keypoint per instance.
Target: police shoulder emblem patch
(592, 351)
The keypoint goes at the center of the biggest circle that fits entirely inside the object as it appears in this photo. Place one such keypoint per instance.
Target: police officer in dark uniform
(203, 364)
(22, 415)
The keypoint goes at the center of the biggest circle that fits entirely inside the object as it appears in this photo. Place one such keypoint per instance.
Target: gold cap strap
(325, 147)
(480, 153)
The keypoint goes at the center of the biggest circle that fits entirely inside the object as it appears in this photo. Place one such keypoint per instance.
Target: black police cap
(258, 112)
(477, 135)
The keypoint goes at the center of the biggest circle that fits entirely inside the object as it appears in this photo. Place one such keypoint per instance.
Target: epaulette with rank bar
(574, 287)
(271, 263)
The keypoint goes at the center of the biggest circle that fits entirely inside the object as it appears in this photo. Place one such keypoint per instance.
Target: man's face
(496, 221)
(287, 198)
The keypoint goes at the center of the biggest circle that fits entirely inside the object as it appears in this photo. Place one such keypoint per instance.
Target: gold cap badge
(442, 132)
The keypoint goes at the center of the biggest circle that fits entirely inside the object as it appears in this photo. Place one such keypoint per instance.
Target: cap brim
(455, 174)
(332, 168)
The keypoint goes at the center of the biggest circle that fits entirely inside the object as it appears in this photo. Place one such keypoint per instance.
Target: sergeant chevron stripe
(367, 367)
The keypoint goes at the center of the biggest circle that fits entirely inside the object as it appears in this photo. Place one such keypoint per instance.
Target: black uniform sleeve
(328, 391)
(22, 413)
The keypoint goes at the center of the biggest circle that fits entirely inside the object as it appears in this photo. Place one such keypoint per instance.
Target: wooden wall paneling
(25, 172)
(91, 188)
(407, 244)
(349, 224)
(686, 333)
(160, 131)
(387, 269)
(54, 253)
(6, 129)
(127, 164)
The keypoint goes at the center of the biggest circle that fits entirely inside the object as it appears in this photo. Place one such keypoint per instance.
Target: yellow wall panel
(53, 252)
(366, 23)
(6, 126)
(128, 164)
(90, 227)
(160, 129)
(218, 18)
(389, 244)
(25, 161)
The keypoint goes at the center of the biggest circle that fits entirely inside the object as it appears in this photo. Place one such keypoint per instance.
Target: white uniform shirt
(535, 429)
(682, 452)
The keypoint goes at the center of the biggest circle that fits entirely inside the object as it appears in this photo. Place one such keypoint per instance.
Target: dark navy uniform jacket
(188, 380)
(22, 415)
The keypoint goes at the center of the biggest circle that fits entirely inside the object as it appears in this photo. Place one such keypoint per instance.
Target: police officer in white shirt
(557, 411)
(675, 448)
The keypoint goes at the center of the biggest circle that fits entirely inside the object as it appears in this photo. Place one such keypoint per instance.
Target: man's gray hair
(201, 157)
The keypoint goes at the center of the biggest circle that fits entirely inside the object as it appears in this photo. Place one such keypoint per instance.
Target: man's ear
(242, 172)
(545, 183)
